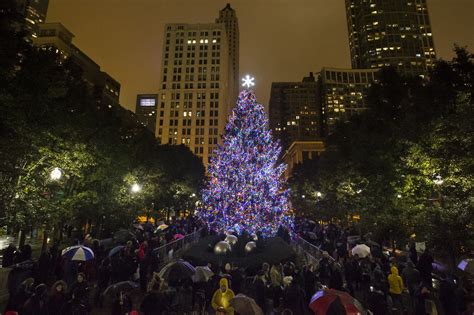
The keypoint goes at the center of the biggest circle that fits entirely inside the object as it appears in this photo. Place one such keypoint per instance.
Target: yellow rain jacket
(395, 281)
(222, 299)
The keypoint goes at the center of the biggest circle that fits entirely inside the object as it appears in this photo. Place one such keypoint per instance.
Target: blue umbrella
(115, 250)
(78, 253)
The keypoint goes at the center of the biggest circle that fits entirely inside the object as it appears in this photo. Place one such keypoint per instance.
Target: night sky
(280, 40)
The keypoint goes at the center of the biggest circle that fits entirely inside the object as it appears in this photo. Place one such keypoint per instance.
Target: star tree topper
(248, 81)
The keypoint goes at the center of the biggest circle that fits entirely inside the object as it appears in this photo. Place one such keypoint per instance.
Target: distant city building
(343, 93)
(390, 33)
(55, 36)
(228, 17)
(35, 12)
(197, 83)
(300, 151)
(146, 110)
(295, 111)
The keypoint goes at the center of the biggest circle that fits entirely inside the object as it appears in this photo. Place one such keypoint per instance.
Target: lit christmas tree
(246, 188)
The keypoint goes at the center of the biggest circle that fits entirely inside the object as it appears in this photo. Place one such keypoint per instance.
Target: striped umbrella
(326, 300)
(78, 253)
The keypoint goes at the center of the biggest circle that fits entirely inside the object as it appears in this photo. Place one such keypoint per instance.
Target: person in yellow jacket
(395, 283)
(221, 299)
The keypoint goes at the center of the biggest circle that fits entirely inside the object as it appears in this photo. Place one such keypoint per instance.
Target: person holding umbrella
(221, 299)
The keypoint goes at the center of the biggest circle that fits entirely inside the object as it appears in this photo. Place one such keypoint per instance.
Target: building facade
(197, 86)
(300, 151)
(390, 33)
(228, 18)
(35, 12)
(146, 110)
(343, 93)
(55, 36)
(295, 111)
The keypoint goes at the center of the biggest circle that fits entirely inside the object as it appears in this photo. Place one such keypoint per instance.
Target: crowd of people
(387, 282)
(383, 283)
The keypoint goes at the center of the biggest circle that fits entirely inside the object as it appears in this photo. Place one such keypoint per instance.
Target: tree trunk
(44, 246)
(21, 238)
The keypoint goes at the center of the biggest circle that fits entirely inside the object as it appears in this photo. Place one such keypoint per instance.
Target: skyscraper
(198, 84)
(146, 110)
(343, 93)
(57, 37)
(390, 33)
(228, 17)
(35, 12)
(295, 111)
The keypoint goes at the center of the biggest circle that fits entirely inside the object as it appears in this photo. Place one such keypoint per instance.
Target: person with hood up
(58, 297)
(396, 288)
(411, 278)
(221, 299)
(37, 304)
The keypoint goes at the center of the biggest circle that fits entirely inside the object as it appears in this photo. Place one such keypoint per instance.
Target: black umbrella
(177, 270)
(118, 287)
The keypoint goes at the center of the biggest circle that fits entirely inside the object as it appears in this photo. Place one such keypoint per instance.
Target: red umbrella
(322, 300)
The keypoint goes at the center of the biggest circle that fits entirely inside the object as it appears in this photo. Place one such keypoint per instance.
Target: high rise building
(35, 12)
(146, 110)
(58, 38)
(295, 111)
(343, 93)
(197, 84)
(390, 33)
(228, 17)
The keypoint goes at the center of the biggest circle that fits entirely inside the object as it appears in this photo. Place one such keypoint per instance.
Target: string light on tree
(246, 190)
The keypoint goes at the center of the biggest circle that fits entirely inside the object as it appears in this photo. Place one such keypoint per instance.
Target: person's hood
(225, 283)
(394, 271)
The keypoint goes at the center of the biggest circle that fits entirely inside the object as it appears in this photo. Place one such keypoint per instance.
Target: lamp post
(56, 174)
(136, 188)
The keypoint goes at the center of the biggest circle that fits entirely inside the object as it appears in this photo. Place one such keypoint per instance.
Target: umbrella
(162, 227)
(118, 287)
(467, 265)
(178, 236)
(245, 305)
(361, 250)
(177, 270)
(123, 236)
(203, 274)
(115, 250)
(322, 301)
(78, 253)
(138, 227)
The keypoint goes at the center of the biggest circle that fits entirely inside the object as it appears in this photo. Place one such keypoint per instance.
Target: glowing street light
(319, 194)
(56, 174)
(136, 188)
(438, 180)
(399, 196)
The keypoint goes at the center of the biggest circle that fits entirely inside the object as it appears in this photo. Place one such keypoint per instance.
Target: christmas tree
(246, 188)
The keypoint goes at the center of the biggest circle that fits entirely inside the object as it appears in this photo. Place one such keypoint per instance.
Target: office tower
(35, 12)
(295, 111)
(228, 17)
(146, 110)
(343, 93)
(197, 86)
(390, 33)
(55, 36)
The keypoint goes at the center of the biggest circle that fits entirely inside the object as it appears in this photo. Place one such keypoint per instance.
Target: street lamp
(438, 180)
(399, 196)
(56, 174)
(136, 188)
(193, 195)
(319, 194)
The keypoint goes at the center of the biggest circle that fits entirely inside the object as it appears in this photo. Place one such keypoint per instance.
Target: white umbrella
(203, 274)
(361, 250)
(78, 253)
